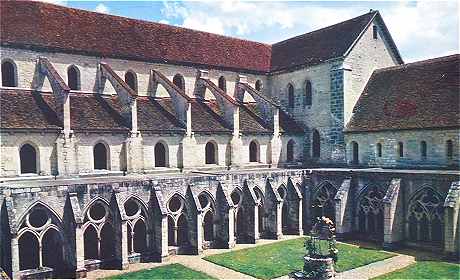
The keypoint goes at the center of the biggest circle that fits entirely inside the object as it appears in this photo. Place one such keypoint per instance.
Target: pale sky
(421, 29)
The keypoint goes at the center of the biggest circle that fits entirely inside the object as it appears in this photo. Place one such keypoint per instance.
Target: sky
(421, 29)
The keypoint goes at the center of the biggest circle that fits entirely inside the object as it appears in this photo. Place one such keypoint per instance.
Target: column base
(80, 273)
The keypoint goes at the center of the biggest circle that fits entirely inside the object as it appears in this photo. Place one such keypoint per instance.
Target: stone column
(80, 271)
(393, 215)
(15, 257)
(231, 227)
(256, 224)
(124, 245)
(162, 241)
(300, 218)
(344, 210)
(199, 233)
(451, 221)
(279, 219)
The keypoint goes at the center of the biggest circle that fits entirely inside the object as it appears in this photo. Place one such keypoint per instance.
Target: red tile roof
(45, 26)
(65, 29)
(25, 109)
(418, 95)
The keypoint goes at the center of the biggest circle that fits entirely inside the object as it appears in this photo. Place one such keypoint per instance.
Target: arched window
(131, 80)
(100, 154)
(253, 152)
(258, 85)
(73, 78)
(291, 96)
(160, 155)
(355, 152)
(316, 147)
(28, 159)
(423, 149)
(222, 83)
(211, 153)
(308, 94)
(9, 74)
(379, 150)
(178, 80)
(290, 151)
(449, 149)
(401, 149)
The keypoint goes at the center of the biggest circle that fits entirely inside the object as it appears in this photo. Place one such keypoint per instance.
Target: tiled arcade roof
(418, 95)
(38, 25)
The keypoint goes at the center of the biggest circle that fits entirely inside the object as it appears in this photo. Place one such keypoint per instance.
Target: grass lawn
(171, 271)
(278, 259)
(426, 270)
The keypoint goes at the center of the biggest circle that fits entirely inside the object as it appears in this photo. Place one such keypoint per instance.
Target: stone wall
(375, 205)
(436, 148)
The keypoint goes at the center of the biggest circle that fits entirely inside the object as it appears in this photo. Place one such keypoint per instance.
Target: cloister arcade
(103, 226)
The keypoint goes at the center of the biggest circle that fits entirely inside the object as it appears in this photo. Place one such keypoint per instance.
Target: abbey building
(125, 141)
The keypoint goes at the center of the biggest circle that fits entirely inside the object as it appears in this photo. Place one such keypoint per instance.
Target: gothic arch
(370, 212)
(73, 77)
(425, 214)
(179, 81)
(161, 154)
(131, 79)
(323, 201)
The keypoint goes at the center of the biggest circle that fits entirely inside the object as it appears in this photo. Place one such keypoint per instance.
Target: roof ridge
(419, 62)
(145, 21)
(323, 28)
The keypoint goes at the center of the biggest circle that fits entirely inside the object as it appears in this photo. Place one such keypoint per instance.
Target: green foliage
(425, 270)
(280, 258)
(172, 271)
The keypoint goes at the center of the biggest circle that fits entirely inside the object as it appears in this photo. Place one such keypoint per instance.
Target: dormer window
(375, 32)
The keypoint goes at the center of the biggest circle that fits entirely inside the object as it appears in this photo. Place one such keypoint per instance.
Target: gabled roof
(36, 24)
(420, 95)
(324, 44)
(43, 26)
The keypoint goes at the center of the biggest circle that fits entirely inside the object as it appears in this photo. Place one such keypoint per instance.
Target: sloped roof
(250, 122)
(26, 109)
(157, 115)
(65, 29)
(420, 95)
(94, 112)
(38, 25)
(323, 44)
(206, 117)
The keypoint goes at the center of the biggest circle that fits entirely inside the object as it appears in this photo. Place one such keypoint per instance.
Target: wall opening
(355, 152)
(208, 226)
(370, 213)
(90, 243)
(291, 98)
(100, 157)
(449, 149)
(316, 146)
(28, 251)
(308, 94)
(131, 80)
(182, 231)
(140, 237)
(290, 151)
(160, 155)
(210, 153)
(379, 150)
(253, 152)
(222, 83)
(178, 80)
(52, 251)
(28, 159)
(324, 202)
(258, 85)
(401, 149)
(9, 74)
(73, 78)
(423, 149)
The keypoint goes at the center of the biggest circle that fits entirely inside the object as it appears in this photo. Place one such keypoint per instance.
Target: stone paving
(197, 263)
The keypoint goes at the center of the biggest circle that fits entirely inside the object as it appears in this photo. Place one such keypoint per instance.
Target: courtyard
(274, 259)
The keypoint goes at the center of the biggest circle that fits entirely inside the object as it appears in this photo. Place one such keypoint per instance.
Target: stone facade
(152, 218)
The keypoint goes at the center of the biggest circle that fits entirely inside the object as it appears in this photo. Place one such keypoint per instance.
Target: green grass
(171, 271)
(425, 270)
(278, 259)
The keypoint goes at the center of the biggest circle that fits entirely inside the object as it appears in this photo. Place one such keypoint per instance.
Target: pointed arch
(290, 150)
(73, 77)
(323, 201)
(370, 212)
(308, 94)
(425, 216)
